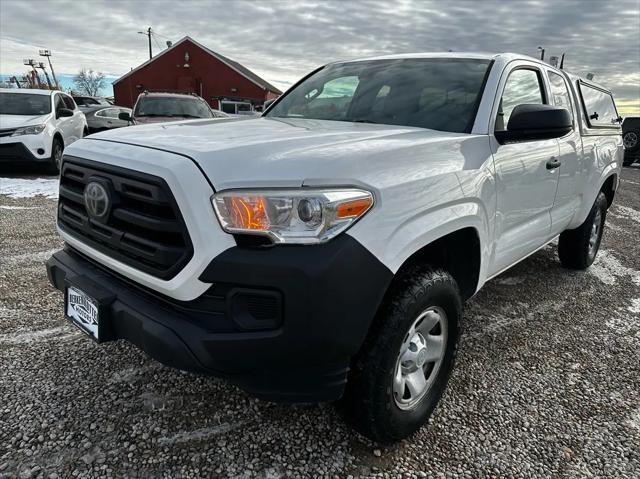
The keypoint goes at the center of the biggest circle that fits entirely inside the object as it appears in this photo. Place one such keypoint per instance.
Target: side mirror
(124, 116)
(64, 112)
(536, 122)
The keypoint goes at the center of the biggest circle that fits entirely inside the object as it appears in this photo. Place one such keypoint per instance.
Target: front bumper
(322, 301)
(17, 152)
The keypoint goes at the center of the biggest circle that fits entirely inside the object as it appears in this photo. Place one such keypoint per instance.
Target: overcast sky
(282, 40)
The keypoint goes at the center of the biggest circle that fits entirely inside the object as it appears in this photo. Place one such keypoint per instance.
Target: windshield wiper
(364, 120)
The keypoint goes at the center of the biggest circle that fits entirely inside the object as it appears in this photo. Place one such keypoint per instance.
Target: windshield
(436, 93)
(24, 104)
(170, 106)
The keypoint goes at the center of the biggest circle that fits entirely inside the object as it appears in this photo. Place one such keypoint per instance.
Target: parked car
(90, 101)
(324, 250)
(37, 125)
(631, 140)
(156, 107)
(105, 118)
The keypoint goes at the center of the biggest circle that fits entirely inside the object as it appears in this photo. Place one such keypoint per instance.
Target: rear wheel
(631, 140)
(578, 248)
(404, 366)
(56, 155)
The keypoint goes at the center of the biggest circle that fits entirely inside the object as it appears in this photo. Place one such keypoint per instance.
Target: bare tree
(89, 82)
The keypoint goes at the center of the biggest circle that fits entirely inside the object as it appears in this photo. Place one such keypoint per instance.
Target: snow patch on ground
(7, 207)
(38, 257)
(203, 434)
(27, 188)
(635, 306)
(510, 280)
(22, 337)
(607, 268)
(634, 420)
(130, 375)
(626, 212)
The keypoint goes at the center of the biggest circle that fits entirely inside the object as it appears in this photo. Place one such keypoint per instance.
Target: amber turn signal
(354, 208)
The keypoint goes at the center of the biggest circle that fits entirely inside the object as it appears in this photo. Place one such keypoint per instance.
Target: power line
(156, 40)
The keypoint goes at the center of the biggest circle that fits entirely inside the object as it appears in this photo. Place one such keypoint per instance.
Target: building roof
(245, 72)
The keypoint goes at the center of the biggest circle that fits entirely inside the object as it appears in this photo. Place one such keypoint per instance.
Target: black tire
(575, 248)
(370, 404)
(631, 139)
(57, 149)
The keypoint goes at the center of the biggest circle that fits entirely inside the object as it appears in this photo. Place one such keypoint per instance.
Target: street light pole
(148, 34)
(47, 53)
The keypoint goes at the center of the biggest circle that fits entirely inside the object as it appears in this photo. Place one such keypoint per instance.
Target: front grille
(7, 132)
(143, 229)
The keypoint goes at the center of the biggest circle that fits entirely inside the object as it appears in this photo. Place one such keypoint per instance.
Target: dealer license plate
(83, 311)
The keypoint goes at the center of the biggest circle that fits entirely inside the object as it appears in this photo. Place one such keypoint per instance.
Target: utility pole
(148, 34)
(47, 53)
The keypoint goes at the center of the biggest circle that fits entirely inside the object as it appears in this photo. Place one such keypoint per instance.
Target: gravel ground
(546, 385)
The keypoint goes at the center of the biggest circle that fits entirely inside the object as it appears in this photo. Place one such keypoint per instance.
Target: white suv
(324, 251)
(37, 125)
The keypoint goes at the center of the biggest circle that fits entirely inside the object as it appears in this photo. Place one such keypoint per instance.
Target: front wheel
(577, 248)
(403, 368)
(56, 155)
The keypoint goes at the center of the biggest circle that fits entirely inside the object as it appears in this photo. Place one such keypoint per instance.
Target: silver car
(105, 117)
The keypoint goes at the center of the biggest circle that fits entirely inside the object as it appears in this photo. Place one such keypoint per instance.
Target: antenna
(541, 53)
(562, 62)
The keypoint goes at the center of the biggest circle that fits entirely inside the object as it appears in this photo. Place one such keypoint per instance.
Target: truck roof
(506, 57)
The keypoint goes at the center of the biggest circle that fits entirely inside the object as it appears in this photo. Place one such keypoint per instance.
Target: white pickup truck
(324, 250)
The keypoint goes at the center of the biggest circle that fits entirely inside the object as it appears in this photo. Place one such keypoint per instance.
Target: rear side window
(599, 107)
(523, 87)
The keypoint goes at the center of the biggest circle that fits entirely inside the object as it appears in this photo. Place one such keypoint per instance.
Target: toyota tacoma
(323, 251)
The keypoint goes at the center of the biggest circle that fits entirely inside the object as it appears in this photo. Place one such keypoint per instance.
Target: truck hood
(17, 121)
(277, 152)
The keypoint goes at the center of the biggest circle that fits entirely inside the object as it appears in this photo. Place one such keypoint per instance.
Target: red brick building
(189, 67)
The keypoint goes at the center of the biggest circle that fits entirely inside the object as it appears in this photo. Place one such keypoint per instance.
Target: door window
(560, 91)
(523, 87)
(59, 102)
(68, 101)
(599, 107)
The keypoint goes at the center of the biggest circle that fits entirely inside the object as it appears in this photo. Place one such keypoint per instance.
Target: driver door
(63, 123)
(526, 180)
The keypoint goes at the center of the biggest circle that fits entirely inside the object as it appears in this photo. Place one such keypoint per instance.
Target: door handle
(553, 163)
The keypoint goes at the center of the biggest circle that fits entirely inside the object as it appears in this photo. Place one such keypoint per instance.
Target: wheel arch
(458, 252)
(609, 187)
(57, 135)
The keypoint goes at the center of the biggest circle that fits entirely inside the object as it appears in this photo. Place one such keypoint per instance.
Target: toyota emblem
(96, 200)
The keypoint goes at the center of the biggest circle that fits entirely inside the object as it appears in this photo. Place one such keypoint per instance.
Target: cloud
(282, 41)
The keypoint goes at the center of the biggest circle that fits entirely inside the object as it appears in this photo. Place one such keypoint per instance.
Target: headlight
(29, 130)
(306, 216)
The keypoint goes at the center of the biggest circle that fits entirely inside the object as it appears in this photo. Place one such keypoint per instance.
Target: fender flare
(429, 226)
(612, 169)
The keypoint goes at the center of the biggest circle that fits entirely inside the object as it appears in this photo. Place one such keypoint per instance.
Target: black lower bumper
(317, 303)
(18, 153)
